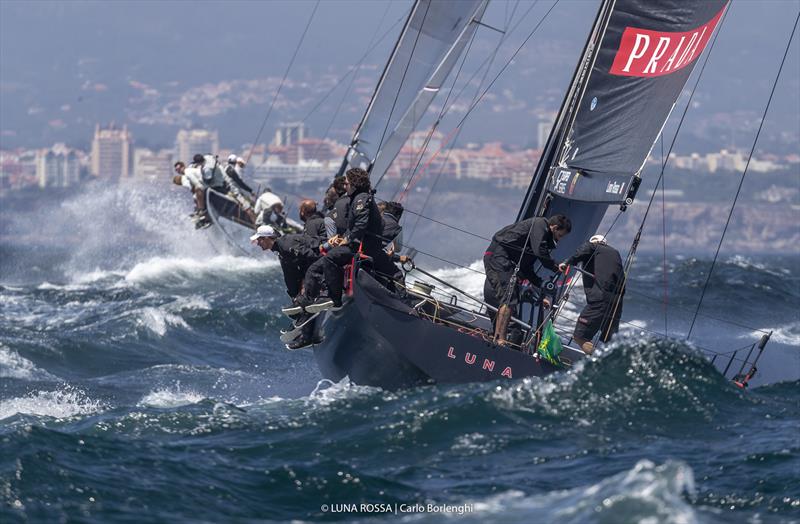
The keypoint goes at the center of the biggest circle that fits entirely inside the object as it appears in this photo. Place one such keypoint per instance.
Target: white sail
(432, 40)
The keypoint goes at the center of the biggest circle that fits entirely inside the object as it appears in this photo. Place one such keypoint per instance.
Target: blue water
(141, 380)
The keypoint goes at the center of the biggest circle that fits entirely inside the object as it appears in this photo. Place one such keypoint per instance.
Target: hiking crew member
(391, 212)
(341, 206)
(237, 187)
(234, 170)
(296, 253)
(508, 247)
(363, 231)
(604, 291)
(314, 222)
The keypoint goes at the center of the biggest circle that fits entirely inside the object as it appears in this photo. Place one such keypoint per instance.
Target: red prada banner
(647, 53)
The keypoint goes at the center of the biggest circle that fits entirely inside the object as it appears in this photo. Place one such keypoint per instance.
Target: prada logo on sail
(647, 53)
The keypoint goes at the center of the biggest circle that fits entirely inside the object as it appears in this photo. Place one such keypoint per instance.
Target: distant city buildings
(152, 164)
(288, 134)
(58, 166)
(723, 160)
(190, 142)
(295, 158)
(111, 153)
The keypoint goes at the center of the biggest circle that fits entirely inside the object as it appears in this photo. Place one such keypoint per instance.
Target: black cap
(198, 159)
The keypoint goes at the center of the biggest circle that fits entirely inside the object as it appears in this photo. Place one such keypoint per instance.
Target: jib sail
(433, 38)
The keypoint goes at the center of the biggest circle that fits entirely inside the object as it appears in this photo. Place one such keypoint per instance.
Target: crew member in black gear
(392, 240)
(341, 206)
(604, 291)
(313, 221)
(363, 231)
(504, 252)
(296, 253)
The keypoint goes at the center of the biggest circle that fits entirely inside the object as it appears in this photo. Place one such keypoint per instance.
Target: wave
(788, 334)
(645, 493)
(181, 270)
(61, 403)
(12, 365)
(172, 397)
(158, 321)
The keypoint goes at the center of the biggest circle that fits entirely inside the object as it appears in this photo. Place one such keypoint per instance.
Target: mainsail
(637, 67)
(431, 42)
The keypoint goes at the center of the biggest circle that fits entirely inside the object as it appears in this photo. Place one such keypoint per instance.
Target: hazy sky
(51, 50)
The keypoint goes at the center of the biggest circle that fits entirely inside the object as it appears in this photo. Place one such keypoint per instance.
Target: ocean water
(142, 380)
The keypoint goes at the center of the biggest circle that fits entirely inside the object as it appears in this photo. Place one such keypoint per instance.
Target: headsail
(433, 38)
(645, 56)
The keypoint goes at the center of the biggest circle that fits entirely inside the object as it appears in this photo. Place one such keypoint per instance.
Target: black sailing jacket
(605, 263)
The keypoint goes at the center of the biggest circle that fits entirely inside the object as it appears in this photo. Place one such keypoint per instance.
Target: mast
(434, 36)
(558, 131)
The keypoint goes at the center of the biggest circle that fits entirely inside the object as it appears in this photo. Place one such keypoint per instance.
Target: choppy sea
(142, 380)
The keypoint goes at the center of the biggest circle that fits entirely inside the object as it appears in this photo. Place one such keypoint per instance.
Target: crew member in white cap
(604, 285)
(296, 253)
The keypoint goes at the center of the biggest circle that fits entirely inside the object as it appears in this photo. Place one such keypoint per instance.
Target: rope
(638, 236)
(664, 241)
(438, 120)
(480, 98)
(744, 173)
(488, 62)
(283, 81)
(400, 87)
(370, 46)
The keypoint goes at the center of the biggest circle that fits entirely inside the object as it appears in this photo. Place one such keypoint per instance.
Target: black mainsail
(637, 67)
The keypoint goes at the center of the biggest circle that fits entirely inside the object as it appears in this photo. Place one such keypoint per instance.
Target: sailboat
(637, 59)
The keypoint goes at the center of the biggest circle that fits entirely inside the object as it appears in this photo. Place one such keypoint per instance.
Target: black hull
(378, 340)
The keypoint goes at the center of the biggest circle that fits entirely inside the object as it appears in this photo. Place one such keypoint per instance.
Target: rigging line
(400, 87)
(635, 244)
(664, 241)
(452, 137)
(491, 84)
(370, 46)
(444, 111)
(450, 262)
(744, 174)
(706, 315)
(283, 81)
(438, 120)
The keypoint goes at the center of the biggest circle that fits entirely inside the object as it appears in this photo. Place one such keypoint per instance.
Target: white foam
(788, 334)
(171, 397)
(63, 403)
(12, 365)
(645, 493)
(327, 392)
(181, 268)
(159, 321)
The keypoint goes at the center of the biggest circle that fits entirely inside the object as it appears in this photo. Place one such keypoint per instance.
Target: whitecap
(63, 403)
(788, 334)
(159, 321)
(645, 493)
(171, 397)
(183, 269)
(12, 365)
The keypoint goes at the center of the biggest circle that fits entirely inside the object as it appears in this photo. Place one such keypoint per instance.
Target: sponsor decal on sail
(648, 53)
